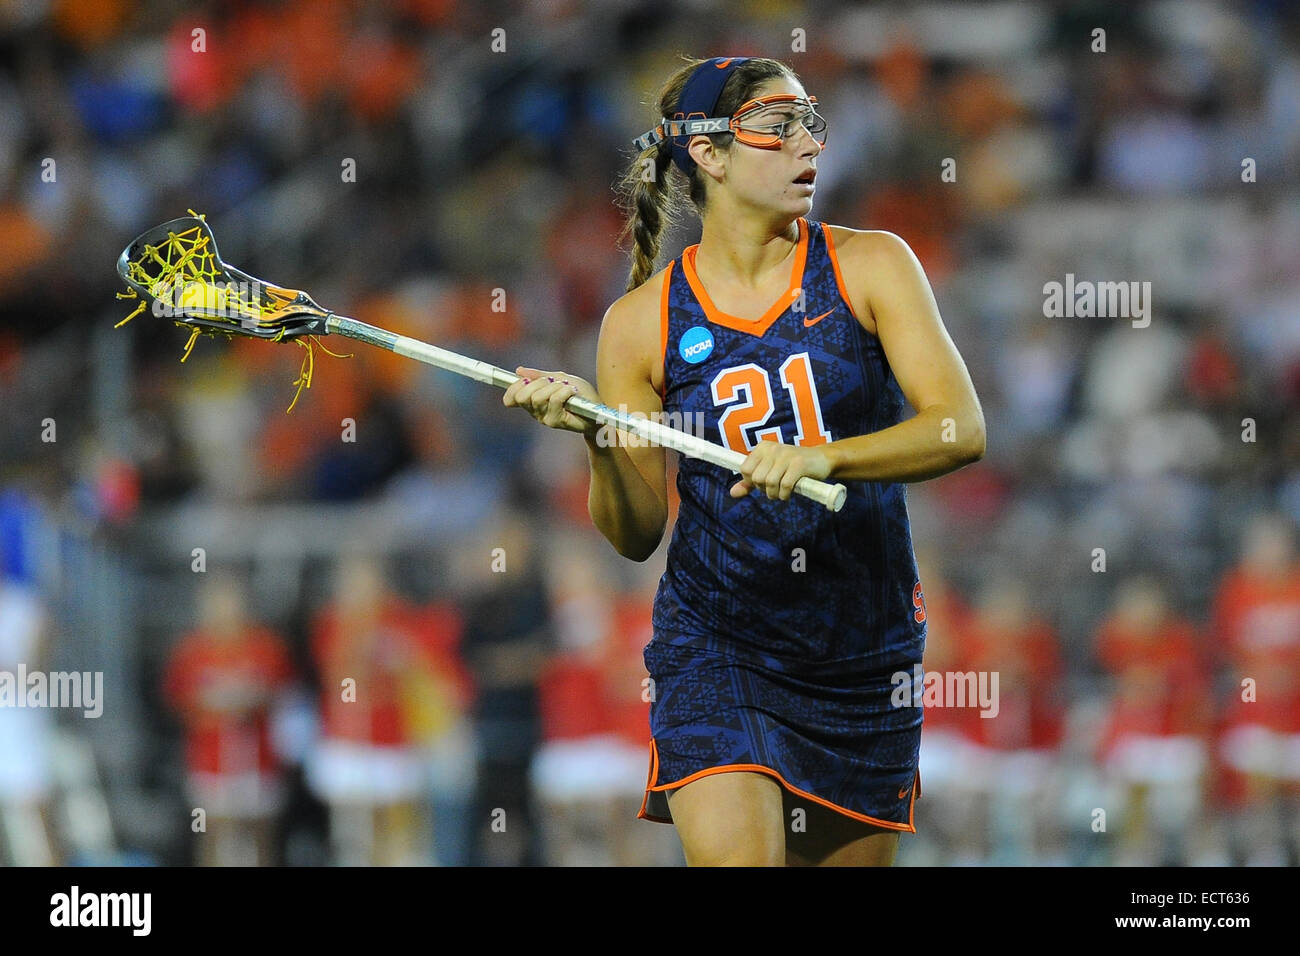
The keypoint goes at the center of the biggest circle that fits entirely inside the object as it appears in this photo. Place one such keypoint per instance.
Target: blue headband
(700, 98)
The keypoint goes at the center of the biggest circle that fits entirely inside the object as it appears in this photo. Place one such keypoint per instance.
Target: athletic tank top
(791, 583)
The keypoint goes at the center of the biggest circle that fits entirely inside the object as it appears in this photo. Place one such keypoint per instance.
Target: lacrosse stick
(175, 270)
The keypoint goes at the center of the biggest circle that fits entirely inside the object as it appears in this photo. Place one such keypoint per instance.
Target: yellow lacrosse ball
(202, 295)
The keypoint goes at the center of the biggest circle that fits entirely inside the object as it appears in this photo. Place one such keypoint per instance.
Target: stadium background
(499, 713)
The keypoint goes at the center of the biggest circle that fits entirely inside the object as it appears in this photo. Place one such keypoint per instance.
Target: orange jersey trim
(908, 827)
(663, 333)
(835, 264)
(753, 326)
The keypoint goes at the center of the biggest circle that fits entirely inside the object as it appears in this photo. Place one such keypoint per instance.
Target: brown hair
(651, 205)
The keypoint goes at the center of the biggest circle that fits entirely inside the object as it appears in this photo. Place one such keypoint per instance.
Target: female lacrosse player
(782, 631)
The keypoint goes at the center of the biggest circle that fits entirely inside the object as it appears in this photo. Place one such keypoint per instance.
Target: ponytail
(651, 209)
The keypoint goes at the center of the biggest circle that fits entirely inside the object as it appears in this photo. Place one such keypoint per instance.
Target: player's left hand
(774, 468)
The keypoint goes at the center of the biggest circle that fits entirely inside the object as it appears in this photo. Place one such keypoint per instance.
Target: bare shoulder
(867, 242)
(884, 259)
(630, 331)
(642, 302)
(867, 257)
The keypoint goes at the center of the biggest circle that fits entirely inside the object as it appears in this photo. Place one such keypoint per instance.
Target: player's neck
(745, 251)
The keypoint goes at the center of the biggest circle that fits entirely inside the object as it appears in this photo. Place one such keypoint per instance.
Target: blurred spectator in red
(222, 679)
(1154, 743)
(1257, 619)
(390, 684)
(438, 703)
(590, 771)
(1257, 606)
(1018, 730)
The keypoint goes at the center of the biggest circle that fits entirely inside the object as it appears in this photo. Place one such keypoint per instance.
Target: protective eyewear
(764, 123)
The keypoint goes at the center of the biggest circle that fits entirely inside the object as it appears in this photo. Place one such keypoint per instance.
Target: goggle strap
(701, 127)
(652, 138)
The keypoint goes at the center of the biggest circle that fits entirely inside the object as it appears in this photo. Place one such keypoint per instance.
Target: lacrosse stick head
(175, 269)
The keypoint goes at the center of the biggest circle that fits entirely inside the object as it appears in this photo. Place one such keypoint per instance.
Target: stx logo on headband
(696, 127)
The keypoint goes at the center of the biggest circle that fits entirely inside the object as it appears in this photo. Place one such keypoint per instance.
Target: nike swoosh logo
(810, 322)
(903, 792)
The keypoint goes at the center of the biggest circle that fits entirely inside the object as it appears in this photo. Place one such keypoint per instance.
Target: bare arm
(947, 431)
(628, 495)
(628, 498)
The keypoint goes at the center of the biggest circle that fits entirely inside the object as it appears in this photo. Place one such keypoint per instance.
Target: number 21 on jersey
(742, 422)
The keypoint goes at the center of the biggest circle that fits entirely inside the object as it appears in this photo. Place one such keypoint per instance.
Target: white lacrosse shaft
(831, 496)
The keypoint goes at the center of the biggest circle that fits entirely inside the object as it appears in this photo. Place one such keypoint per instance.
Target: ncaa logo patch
(696, 344)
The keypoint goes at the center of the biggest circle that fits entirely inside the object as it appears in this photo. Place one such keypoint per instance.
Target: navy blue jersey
(790, 584)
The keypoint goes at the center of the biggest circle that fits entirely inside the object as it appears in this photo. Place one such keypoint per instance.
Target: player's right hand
(543, 394)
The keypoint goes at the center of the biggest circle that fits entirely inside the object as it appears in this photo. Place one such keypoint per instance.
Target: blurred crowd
(467, 687)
